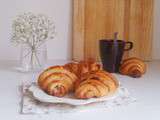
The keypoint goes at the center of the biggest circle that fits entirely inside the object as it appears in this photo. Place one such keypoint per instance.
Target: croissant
(72, 67)
(82, 67)
(57, 81)
(96, 84)
(88, 66)
(133, 67)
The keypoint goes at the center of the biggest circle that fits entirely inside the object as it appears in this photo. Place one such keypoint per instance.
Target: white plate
(69, 99)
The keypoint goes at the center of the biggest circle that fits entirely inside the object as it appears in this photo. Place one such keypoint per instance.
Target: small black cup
(111, 52)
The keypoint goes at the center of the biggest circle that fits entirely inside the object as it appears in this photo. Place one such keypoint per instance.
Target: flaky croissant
(133, 67)
(96, 84)
(88, 66)
(72, 67)
(82, 67)
(57, 81)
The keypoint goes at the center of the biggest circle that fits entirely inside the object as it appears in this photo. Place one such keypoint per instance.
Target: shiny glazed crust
(96, 84)
(85, 77)
(133, 67)
(57, 81)
(82, 67)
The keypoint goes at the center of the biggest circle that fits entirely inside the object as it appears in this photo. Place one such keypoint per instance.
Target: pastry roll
(133, 67)
(96, 84)
(57, 81)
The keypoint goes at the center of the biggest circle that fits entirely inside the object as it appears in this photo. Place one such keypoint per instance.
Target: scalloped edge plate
(41, 96)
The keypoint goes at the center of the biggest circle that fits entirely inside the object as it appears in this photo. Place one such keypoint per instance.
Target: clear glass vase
(33, 58)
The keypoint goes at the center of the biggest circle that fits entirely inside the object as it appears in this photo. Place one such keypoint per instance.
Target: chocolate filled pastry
(57, 81)
(133, 67)
(96, 84)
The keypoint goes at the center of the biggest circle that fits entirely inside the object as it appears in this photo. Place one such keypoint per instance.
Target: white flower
(32, 29)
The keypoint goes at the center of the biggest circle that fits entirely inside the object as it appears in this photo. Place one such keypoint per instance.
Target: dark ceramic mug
(111, 53)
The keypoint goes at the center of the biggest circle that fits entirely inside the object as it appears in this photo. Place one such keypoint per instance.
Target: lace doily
(31, 106)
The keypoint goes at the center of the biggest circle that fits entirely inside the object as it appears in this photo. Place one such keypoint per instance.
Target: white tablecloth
(145, 90)
(32, 106)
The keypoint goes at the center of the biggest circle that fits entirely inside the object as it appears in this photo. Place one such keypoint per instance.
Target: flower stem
(32, 59)
(35, 53)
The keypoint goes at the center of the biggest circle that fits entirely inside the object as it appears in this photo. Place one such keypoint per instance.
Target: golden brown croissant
(96, 84)
(57, 81)
(88, 66)
(133, 67)
(82, 67)
(72, 67)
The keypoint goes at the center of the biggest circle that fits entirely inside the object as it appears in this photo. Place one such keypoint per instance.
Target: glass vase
(33, 58)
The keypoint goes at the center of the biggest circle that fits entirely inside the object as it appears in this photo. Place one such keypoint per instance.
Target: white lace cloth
(31, 106)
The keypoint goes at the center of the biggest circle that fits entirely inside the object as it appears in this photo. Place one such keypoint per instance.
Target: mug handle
(130, 46)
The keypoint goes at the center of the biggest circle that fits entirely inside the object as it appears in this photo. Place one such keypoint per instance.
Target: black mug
(111, 53)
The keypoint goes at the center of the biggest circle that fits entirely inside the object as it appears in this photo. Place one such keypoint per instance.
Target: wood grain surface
(78, 33)
(99, 19)
(141, 28)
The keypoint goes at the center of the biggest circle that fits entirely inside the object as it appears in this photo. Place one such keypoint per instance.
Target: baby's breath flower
(32, 29)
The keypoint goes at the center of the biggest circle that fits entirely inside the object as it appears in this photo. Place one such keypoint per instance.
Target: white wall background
(60, 11)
